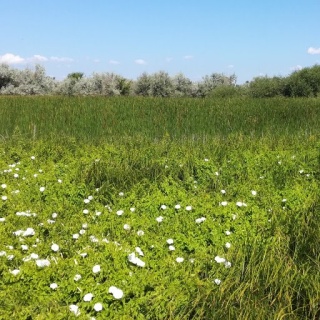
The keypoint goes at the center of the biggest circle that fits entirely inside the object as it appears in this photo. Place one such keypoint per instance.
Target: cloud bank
(10, 58)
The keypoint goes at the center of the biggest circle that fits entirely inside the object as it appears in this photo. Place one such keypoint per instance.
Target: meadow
(153, 208)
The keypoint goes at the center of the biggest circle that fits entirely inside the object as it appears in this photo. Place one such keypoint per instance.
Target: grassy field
(144, 208)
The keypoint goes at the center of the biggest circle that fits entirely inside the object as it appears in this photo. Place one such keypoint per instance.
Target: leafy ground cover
(160, 227)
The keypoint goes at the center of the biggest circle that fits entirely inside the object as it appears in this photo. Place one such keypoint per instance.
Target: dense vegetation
(302, 83)
(150, 208)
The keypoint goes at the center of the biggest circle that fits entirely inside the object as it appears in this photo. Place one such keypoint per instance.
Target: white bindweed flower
(253, 192)
(98, 213)
(96, 269)
(177, 206)
(206, 160)
(53, 286)
(82, 231)
(41, 263)
(126, 227)
(77, 277)
(188, 208)
(132, 209)
(85, 226)
(120, 212)
(55, 247)
(228, 233)
(24, 247)
(159, 219)
(217, 281)
(227, 264)
(224, 203)
(4, 198)
(15, 272)
(3, 186)
(59, 181)
(140, 233)
(180, 259)
(42, 189)
(219, 259)
(223, 191)
(74, 309)
(88, 297)
(16, 175)
(200, 220)
(54, 215)
(121, 194)
(139, 251)
(170, 241)
(116, 292)
(135, 260)
(163, 207)
(28, 233)
(34, 256)
(228, 245)
(171, 248)
(239, 204)
(86, 200)
(85, 211)
(2, 219)
(32, 157)
(98, 307)
(76, 236)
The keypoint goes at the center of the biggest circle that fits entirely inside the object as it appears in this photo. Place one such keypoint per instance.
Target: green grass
(161, 152)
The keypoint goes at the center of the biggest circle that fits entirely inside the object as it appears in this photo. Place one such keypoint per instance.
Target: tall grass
(110, 119)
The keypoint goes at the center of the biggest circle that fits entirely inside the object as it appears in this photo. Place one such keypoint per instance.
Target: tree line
(302, 83)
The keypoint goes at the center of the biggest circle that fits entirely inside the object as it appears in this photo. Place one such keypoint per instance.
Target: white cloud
(10, 58)
(39, 58)
(114, 62)
(188, 57)
(296, 68)
(140, 61)
(230, 66)
(62, 59)
(313, 50)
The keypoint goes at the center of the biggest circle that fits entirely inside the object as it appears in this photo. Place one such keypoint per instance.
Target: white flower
(98, 307)
(98, 213)
(2, 219)
(188, 208)
(2, 253)
(224, 203)
(3, 186)
(16, 175)
(34, 256)
(88, 297)
(253, 192)
(90, 198)
(223, 191)
(121, 194)
(135, 260)
(85, 226)
(227, 264)
(228, 233)
(206, 160)
(85, 211)
(53, 286)
(76, 236)
(83, 255)
(217, 281)
(139, 251)
(170, 241)
(120, 212)
(177, 206)
(86, 200)
(171, 248)
(59, 181)
(216, 173)
(180, 259)
(32, 157)
(228, 245)
(163, 207)
(159, 219)
(96, 269)
(75, 309)
(82, 231)
(77, 277)
(4, 198)
(42, 189)
(28, 233)
(132, 209)
(117, 293)
(140, 233)
(55, 247)
(54, 215)
(200, 220)
(239, 204)
(42, 263)
(219, 259)
(24, 247)
(126, 227)
(15, 272)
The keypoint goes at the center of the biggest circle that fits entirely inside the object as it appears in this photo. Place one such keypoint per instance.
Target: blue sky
(128, 37)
